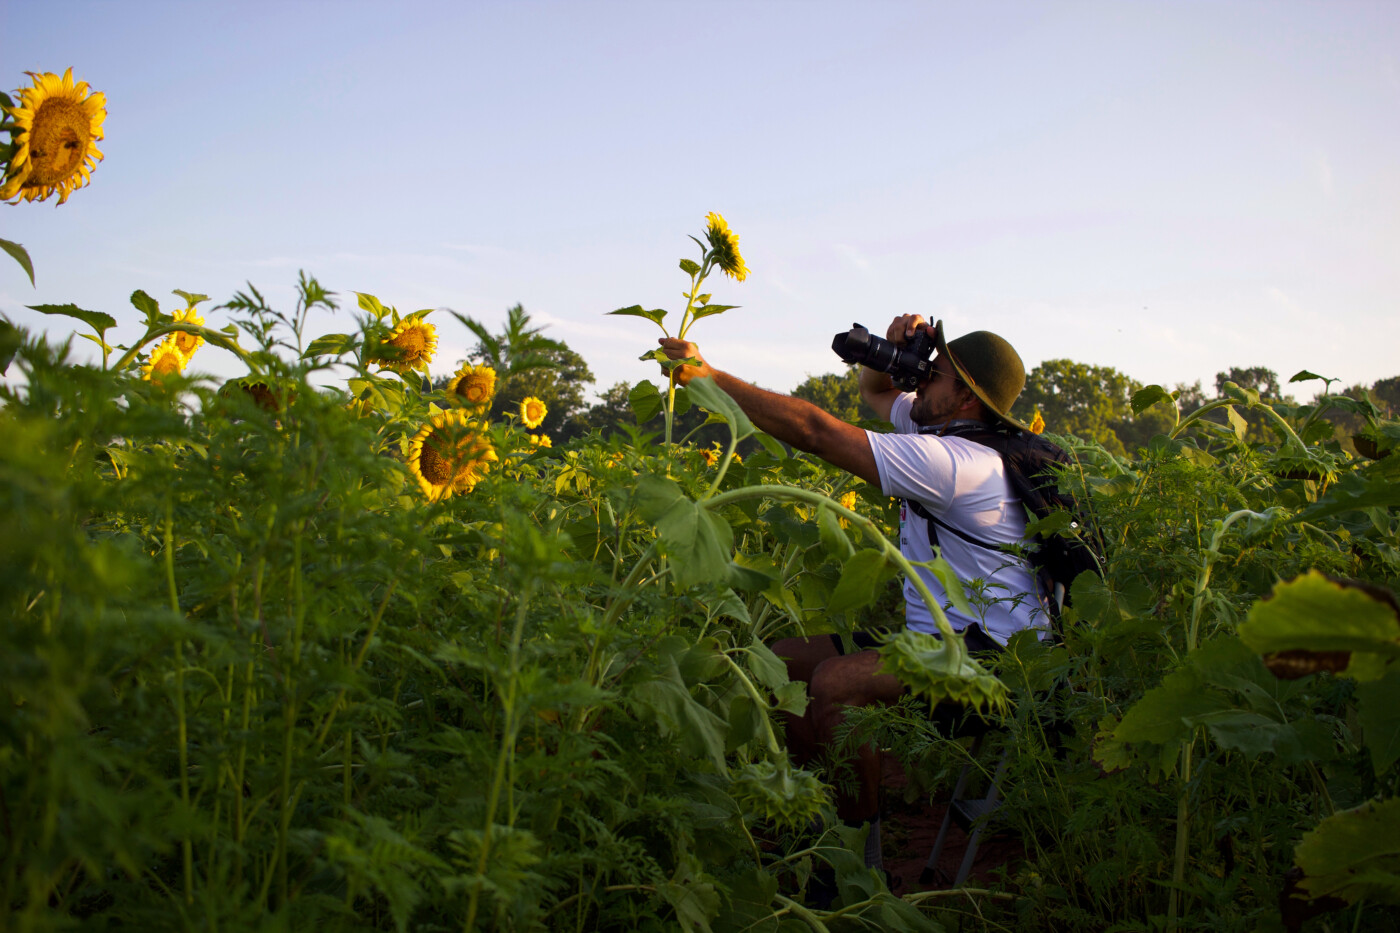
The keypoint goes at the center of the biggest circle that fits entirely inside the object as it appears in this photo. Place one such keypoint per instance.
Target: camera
(907, 365)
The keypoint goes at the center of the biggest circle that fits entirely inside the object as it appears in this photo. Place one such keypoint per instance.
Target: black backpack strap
(934, 522)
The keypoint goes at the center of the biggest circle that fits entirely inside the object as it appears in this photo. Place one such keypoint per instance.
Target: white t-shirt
(964, 484)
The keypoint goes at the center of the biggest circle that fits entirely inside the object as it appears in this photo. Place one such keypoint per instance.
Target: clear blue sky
(1166, 188)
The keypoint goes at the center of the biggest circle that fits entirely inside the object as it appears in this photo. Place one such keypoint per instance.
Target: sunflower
(540, 441)
(532, 412)
(724, 247)
(711, 457)
(55, 125)
(188, 343)
(1037, 423)
(416, 341)
(848, 501)
(165, 359)
(473, 384)
(449, 455)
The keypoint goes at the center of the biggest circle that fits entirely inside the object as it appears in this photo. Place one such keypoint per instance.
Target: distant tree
(1260, 379)
(1386, 394)
(529, 364)
(837, 393)
(1090, 402)
(604, 415)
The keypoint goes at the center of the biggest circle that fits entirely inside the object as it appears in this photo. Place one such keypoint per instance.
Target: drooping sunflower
(188, 343)
(416, 342)
(166, 359)
(55, 125)
(449, 455)
(473, 385)
(724, 244)
(1037, 424)
(532, 412)
(540, 441)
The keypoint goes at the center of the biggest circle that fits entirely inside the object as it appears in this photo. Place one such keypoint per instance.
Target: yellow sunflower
(532, 412)
(539, 441)
(724, 245)
(165, 359)
(55, 125)
(848, 501)
(1037, 423)
(711, 457)
(449, 455)
(188, 343)
(416, 341)
(473, 384)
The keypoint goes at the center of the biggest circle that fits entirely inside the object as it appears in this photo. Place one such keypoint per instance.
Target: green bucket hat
(989, 366)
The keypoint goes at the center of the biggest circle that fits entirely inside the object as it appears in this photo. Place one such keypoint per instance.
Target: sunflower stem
(186, 845)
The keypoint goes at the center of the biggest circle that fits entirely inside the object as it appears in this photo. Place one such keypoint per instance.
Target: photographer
(957, 483)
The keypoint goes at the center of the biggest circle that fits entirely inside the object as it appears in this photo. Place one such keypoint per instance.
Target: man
(974, 381)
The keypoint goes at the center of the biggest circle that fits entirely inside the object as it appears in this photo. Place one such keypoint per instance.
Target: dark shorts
(977, 640)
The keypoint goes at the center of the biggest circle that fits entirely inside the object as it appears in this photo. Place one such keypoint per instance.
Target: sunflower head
(711, 457)
(414, 342)
(1037, 424)
(724, 246)
(188, 343)
(449, 455)
(848, 501)
(55, 126)
(473, 385)
(532, 412)
(165, 360)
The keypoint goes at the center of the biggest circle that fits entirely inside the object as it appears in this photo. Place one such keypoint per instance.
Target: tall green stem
(186, 845)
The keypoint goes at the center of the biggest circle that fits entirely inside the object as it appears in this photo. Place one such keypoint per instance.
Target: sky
(1169, 189)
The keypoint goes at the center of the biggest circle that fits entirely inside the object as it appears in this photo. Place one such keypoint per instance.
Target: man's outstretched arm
(791, 420)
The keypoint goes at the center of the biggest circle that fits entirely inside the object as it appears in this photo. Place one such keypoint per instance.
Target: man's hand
(903, 328)
(680, 350)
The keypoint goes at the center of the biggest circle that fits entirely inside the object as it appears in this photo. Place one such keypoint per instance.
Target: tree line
(1088, 401)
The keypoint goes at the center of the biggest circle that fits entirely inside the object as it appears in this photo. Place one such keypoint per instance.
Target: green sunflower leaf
(708, 310)
(1312, 613)
(688, 266)
(191, 298)
(859, 578)
(1354, 854)
(97, 320)
(147, 305)
(709, 396)
(655, 315)
(329, 345)
(645, 401)
(1148, 396)
(21, 257)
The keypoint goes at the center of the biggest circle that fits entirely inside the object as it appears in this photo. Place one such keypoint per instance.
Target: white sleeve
(915, 466)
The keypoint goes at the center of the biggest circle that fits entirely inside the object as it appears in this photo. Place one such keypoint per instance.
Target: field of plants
(326, 647)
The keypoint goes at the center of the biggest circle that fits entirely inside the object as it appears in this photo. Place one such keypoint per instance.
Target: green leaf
(191, 298)
(329, 345)
(372, 305)
(655, 315)
(709, 396)
(771, 444)
(859, 578)
(1380, 720)
(1237, 424)
(952, 586)
(97, 320)
(1314, 614)
(646, 401)
(1148, 396)
(21, 257)
(708, 310)
(147, 305)
(681, 401)
(689, 267)
(1354, 854)
(697, 541)
(833, 537)
(1353, 493)
(766, 666)
(9, 344)
(1303, 376)
(97, 340)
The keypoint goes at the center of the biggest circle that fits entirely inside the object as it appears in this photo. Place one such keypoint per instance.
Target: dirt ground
(907, 835)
